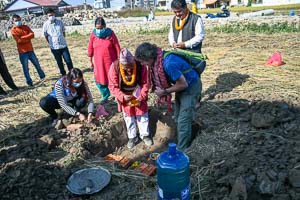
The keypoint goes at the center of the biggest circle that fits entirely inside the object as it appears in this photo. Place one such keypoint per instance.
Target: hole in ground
(161, 127)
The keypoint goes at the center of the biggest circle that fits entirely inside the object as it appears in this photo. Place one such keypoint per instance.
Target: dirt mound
(247, 152)
(41, 158)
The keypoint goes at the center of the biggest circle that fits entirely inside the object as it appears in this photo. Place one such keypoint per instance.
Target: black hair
(77, 73)
(146, 52)
(73, 74)
(15, 16)
(101, 21)
(178, 4)
(50, 10)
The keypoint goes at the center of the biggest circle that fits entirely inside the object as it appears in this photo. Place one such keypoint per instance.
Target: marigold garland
(133, 76)
(177, 27)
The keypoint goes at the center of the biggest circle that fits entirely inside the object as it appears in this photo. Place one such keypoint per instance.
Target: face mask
(77, 85)
(98, 31)
(51, 18)
(18, 23)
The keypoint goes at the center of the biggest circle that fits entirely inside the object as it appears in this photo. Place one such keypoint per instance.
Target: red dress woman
(104, 47)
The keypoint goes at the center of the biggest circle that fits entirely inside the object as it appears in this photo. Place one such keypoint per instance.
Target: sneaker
(54, 122)
(147, 141)
(131, 142)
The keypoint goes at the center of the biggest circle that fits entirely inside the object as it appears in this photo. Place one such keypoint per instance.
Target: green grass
(257, 28)
(243, 9)
(163, 30)
(75, 34)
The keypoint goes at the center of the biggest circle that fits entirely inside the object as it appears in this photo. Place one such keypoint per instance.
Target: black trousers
(49, 104)
(6, 75)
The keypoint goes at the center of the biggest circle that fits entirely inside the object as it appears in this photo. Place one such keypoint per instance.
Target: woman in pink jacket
(104, 48)
(128, 82)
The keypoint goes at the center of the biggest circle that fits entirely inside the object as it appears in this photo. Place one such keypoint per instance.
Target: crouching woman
(71, 93)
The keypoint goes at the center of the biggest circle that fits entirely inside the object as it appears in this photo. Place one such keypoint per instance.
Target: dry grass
(241, 54)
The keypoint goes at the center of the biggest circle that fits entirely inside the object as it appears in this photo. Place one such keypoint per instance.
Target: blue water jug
(173, 174)
(292, 13)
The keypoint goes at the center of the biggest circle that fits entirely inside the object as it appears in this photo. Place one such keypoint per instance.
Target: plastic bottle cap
(172, 148)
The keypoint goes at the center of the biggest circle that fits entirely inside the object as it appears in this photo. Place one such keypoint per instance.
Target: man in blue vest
(187, 29)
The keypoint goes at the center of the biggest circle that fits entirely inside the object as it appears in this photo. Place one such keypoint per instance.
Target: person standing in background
(23, 35)
(6, 76)
(54, 32)
(104, 47)
(187, 29)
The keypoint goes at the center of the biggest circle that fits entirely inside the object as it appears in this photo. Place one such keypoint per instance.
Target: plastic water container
(173, 174)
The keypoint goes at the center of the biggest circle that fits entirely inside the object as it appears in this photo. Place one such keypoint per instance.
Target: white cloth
(142, 121)
(199, 35)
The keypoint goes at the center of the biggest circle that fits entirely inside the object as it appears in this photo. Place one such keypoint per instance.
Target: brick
(125, 162)
(150, 170)
(111, 157)
(141, 167)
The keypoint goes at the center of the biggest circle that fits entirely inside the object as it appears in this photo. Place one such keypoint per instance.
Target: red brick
(111, 157)
(125, 162)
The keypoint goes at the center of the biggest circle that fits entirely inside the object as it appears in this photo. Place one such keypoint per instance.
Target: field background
(237, 89)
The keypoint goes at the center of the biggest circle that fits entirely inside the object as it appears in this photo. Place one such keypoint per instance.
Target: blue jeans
(58, 55)
(24, 61)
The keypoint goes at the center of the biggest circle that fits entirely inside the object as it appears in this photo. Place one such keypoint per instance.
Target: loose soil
(246, 132)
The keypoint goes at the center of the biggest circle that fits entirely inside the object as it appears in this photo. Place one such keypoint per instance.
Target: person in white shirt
(54, 32)
(186, 29)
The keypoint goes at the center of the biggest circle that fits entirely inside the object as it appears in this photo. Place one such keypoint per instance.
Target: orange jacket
(23, 35)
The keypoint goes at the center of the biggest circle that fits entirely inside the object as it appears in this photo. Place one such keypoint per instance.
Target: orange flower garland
(177, 27)
(133, 77)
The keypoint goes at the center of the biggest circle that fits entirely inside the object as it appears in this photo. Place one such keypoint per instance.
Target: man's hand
(160, 92)
(180, 45)
(174, 45)
(127, 97)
